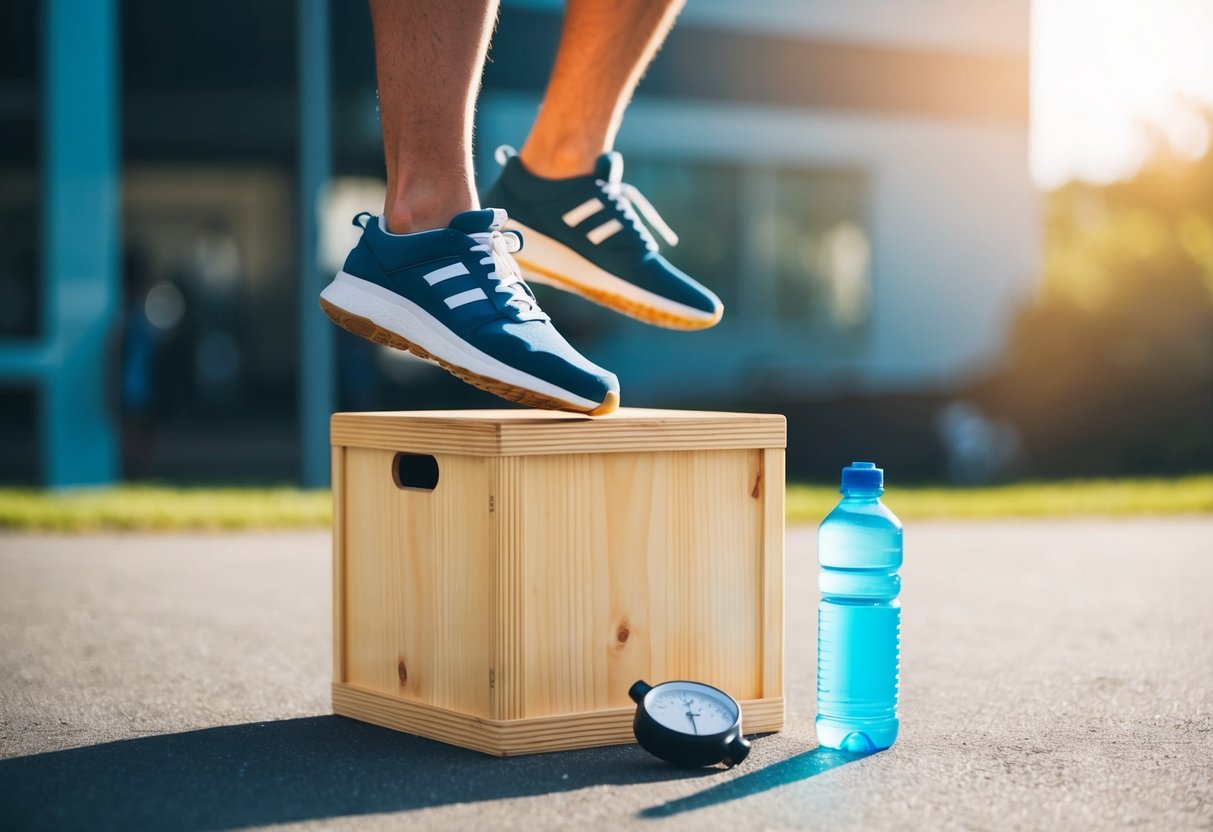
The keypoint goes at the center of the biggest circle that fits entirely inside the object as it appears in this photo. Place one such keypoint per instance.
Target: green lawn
(158, 508)
(1071, 498)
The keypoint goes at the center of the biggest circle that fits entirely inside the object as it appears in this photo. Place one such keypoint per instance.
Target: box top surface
(527, 432)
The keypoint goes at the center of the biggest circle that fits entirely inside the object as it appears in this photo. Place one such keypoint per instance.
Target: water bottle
(859, 617)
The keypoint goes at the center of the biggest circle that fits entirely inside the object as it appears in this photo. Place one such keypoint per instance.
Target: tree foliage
(1110, 369)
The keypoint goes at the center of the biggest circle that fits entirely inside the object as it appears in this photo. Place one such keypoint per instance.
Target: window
(783, 245)
(820, 247)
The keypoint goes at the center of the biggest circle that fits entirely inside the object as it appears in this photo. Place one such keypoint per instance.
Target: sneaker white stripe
(470, 296)
(446, 273)
(602, 232)
(408, 320)
(582, 212)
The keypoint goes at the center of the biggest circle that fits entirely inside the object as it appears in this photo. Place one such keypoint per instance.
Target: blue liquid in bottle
(859, 618)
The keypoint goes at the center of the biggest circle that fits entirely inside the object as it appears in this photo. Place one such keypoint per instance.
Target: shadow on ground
(291, 770)
(801, 767)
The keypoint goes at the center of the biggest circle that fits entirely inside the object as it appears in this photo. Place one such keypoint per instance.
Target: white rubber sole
(554, 264)
(368, 306)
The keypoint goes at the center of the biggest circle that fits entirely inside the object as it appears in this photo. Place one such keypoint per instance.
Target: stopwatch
(688, 723)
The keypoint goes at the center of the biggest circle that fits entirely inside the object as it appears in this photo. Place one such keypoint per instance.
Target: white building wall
(949, 25)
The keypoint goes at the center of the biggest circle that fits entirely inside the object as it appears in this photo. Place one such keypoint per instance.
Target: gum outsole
(632, 309)
(364, 328)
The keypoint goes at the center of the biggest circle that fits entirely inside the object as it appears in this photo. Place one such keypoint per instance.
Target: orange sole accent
(365, 328)
(631, 308)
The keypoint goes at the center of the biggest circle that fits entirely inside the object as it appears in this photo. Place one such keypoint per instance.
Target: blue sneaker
(455, 296)
(585, 235)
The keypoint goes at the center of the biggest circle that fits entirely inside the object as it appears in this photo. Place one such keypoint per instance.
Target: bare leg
(605, 47)
(429, 56)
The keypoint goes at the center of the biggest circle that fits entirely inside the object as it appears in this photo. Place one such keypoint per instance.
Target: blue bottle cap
(863, 476)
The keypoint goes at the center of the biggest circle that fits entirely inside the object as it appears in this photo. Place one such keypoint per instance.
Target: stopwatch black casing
(682, 748)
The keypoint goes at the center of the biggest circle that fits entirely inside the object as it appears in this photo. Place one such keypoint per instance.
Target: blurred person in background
(436, 273)
(214, 272)
(139, 344)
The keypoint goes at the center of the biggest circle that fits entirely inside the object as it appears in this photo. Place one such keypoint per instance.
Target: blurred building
(852, 178)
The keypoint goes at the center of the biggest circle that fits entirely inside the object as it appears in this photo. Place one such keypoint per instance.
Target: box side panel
(506, 501)
(564, 732)
(339, 633)
(773, 523)
(545, 432)
(639, 565)
(418, 577)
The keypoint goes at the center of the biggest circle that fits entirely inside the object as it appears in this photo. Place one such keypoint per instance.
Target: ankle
(418, 208)
(561, 159)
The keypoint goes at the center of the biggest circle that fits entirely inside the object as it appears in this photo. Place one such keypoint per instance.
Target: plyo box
(501, 577)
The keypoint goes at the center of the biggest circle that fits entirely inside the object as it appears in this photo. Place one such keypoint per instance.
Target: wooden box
(557, 560)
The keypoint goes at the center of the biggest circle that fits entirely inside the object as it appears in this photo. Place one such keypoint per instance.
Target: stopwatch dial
(690, 711)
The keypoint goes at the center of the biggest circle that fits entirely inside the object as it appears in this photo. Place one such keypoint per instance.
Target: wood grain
(502, 738)
(509, 545)
(773, 492)
(532, 589)
(647, 567)
(339, 628)
(540, 432)
(418, 579)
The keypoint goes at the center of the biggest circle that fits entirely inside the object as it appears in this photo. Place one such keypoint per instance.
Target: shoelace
(625, 196)
(500, 248)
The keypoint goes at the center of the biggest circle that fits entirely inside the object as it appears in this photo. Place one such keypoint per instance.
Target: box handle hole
(417, 471)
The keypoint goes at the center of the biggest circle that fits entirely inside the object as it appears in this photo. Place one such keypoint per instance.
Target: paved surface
(1056, 675)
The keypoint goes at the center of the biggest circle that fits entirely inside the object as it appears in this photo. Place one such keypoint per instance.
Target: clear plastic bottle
(859, 547)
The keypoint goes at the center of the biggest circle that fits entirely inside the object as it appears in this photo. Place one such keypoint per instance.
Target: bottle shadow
(792, 770)
(290, 770)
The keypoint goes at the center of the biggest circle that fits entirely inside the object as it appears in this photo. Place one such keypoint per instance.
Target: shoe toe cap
(672, 282)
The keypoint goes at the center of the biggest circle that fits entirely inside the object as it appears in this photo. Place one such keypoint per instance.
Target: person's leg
(438, 278)
(586, 230)
(605, 47)
(429, 56)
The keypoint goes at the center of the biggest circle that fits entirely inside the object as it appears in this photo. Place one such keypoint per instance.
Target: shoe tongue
(609, 167)
(478, 222)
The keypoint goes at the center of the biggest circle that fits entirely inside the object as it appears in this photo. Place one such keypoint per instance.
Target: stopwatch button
(638, 690)
(738, 749)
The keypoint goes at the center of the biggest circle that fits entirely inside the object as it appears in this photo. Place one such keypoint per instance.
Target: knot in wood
(402, 672)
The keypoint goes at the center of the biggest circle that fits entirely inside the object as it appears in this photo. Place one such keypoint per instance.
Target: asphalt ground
(1055, 675)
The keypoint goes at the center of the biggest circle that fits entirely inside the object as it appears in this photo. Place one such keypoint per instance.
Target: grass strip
(153, 508)
(1069, 498)
(150, 508)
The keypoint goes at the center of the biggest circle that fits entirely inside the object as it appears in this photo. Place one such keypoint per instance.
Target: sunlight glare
(1109, 74)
